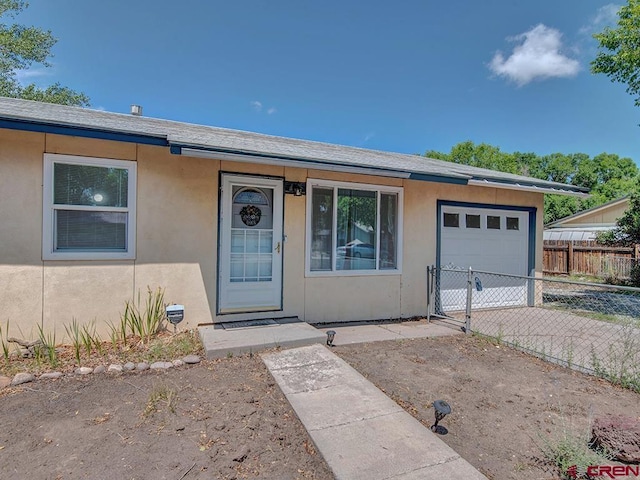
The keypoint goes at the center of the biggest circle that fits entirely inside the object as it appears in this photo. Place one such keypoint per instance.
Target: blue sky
(405, 76)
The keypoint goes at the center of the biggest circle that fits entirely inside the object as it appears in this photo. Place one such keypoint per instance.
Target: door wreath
(250, 215)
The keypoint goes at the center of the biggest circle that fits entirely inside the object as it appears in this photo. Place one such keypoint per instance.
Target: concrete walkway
(366, 332)
(287, 333)
(360, 432)
(219, 342)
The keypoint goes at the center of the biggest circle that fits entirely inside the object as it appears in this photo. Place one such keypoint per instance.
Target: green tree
(607, 175)
(22, 47)
(619, 54)
(530, 164)
(560, 206)
(481, 155)
(627, 230)
(559, 168)
(356, 209)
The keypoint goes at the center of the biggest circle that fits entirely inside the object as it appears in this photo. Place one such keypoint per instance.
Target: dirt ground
(504, 403)
(228, 419)
(224, 419)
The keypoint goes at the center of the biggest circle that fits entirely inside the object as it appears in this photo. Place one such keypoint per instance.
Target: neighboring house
(235, 225)
(570, 245)
(584, 225)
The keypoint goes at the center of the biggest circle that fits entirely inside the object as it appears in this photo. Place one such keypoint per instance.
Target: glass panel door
(250, 276)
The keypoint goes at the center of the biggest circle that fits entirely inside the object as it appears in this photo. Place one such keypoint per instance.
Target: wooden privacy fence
(587, 257)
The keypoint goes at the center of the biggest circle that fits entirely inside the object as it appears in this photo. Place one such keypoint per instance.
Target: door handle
(277, 249)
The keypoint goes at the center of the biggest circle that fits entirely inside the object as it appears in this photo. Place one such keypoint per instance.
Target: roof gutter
(266, 159)
(528, 188)
(86, 132)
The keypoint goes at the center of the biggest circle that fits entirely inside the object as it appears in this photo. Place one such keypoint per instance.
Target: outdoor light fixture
(295, 188)
(442, 409)
(330, 335)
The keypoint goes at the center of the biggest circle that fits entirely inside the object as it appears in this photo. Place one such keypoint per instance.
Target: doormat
(249, 323)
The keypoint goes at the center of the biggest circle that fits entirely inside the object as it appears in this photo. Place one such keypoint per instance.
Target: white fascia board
(528, 188)
(581, 226)
(302, 163)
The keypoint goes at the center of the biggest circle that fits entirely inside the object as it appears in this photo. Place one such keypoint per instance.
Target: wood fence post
(570, 258)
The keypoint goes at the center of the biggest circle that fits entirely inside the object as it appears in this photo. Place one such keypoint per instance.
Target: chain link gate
(594, 328)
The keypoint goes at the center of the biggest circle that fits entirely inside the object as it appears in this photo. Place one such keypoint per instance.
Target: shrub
(145, 322)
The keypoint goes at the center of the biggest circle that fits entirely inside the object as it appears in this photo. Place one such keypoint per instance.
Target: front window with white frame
(88, 208)
(353, 229)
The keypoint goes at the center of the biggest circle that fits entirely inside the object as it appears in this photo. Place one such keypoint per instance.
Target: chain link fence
(593, 328)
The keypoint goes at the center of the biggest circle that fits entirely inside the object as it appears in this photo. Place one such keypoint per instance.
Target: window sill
(353, 273)
(95, 256)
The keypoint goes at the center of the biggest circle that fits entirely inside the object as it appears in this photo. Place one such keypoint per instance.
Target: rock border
(113, 369)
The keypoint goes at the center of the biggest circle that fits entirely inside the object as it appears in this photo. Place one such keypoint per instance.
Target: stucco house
(585, 225)
(234, 225)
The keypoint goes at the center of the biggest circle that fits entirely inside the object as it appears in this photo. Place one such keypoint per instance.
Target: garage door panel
(494, 250)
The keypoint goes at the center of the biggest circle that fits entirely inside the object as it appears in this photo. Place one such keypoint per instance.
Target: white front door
(250, 252)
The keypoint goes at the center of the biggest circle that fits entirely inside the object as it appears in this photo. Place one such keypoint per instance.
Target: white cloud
(605, 16)
(32, 73)
(369, 136)
(537, 57)
(258, 107)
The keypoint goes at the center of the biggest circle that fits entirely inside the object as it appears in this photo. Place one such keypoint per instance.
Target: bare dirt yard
(219, 419)
(228, 419)
(505, 404)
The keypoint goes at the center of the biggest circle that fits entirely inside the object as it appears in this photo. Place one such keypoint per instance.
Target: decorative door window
(252, 235)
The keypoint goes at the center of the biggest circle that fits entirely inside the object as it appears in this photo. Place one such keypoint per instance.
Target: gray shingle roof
(240, 142)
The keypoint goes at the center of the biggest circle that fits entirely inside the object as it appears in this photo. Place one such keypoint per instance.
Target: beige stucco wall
(603, 216)
(177, 208)
(21, 273)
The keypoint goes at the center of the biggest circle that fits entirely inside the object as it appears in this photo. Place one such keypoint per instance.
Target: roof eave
(575, 191)
(80, 131)
(315, 164)
(150, 137)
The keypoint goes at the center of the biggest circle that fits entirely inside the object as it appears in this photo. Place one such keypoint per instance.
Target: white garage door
(484, 239)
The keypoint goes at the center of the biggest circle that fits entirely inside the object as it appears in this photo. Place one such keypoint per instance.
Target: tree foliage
(627, 230)
(619, 54)
(607, 175)
(356, 208)
(22, 47)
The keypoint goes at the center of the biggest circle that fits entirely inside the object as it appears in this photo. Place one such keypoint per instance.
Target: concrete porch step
(250, 337)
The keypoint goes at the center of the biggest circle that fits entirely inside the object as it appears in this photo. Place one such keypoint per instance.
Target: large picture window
(353, 228)
(89, 208)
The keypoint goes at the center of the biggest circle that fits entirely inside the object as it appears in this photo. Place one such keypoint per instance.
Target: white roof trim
(527, 188)
(234, 157)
